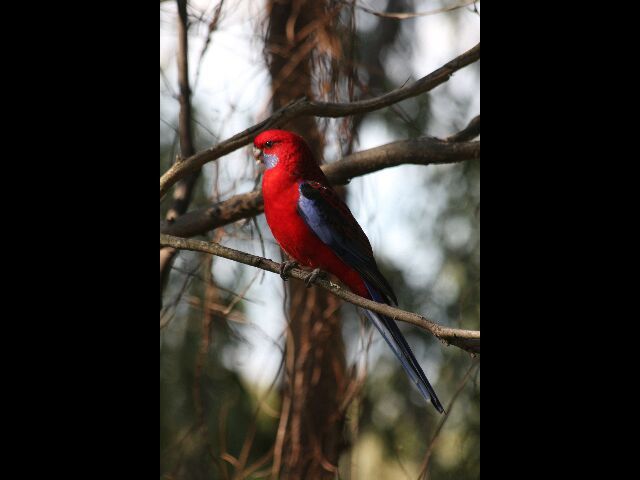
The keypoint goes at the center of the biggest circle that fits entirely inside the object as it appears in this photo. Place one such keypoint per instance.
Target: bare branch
(304, 107)
(212, 27)
(470, 132)
(423, 151)
(468, 340)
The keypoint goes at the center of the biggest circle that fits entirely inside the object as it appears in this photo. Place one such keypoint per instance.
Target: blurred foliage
(389, 425)
(189, 448)
(388, 416)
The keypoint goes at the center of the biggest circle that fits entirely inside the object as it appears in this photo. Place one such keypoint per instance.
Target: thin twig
(213, 25)
(425, 463)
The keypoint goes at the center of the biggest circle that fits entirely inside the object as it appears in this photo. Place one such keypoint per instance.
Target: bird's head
(282, 149)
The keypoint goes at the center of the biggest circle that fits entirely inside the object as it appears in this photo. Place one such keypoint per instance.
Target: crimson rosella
(314, 226)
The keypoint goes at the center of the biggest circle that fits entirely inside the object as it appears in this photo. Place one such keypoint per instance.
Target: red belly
(300, 243)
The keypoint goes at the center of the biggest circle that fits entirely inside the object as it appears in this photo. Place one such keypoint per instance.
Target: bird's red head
(284, 150)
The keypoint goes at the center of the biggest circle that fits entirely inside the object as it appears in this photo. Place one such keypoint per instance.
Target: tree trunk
(310, 437)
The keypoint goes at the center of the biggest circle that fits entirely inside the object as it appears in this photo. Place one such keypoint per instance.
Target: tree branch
(469, 132)
(468, 340)
(305, 107)
(422, 151)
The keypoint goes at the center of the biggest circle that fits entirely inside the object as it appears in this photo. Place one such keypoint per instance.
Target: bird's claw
(285, 268)
(313, 276)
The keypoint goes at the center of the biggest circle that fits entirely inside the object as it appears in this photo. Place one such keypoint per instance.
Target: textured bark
(312, 422)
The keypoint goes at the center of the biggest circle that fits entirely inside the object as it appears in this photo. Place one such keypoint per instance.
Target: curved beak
(257, 154)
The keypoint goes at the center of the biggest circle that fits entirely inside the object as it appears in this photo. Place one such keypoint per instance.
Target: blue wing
(330, 219)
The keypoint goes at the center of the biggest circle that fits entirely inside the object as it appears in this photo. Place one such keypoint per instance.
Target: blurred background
(232, 337)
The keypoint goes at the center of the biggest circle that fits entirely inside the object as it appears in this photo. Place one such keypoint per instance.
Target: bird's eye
(268, 143)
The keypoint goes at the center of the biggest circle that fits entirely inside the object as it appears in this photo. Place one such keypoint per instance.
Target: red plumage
(280, 189)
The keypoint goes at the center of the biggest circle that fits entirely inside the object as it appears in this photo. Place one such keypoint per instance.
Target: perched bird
(314, 227)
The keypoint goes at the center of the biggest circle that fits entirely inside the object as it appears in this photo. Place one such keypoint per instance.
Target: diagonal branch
(422, 151)
(468, 340)
(469, 132)
(304, 107)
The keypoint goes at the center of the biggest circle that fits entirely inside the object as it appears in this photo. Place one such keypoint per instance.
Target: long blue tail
(391, 333)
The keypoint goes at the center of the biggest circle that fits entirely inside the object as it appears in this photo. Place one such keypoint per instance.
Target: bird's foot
(313, 276)
(285, 268)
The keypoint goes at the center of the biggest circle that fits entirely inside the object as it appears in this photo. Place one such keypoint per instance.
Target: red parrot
(316, 228)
